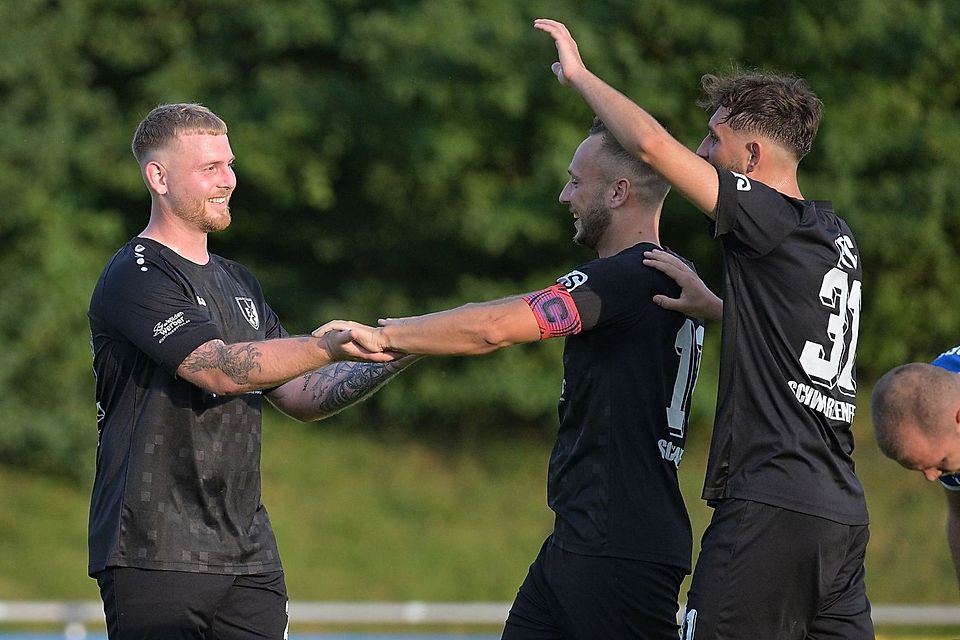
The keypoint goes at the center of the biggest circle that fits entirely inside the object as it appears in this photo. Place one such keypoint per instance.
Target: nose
(932, 474)
(564, 196)
(702, 149)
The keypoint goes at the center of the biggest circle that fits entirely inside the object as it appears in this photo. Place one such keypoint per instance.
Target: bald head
(910, 400)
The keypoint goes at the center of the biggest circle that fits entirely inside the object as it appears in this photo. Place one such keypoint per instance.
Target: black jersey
(627, 380)
(177, 485)
(791, 318)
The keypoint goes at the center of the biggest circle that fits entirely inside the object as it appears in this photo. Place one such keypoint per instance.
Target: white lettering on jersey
(573, 279)
(201, 301)
(670, 452)
(952, 352)
(249, 310)
(743, 183)
(822, 403)
(166, 328)
(848, 259)
(689, 625)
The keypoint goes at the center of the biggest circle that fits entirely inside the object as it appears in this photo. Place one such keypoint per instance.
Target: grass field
(365, 518)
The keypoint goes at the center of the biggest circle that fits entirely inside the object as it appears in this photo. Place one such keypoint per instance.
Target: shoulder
(949, 360)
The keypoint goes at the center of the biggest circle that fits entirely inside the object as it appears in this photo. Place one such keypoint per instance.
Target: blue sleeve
(949, 360)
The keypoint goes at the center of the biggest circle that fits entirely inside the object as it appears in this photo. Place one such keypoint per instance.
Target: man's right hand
(696, 299)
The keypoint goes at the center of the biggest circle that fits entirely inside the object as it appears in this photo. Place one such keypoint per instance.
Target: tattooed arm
(330, 389)
(226, 369)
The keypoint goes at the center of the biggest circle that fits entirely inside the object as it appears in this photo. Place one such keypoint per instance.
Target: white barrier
(69, 613)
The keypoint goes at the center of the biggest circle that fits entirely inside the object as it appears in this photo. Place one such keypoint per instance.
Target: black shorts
(576, 597)
(766, 572)
(174, 605)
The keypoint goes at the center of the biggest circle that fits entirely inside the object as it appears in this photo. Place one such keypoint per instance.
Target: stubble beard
(194, 212)
(594, 222)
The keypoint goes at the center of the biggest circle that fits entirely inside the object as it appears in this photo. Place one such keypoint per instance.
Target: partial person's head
(916, 418)
(750, 111)
(187, 164)
(604, 177)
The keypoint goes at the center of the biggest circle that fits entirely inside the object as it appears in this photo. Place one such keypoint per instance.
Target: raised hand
(570, 67)
(695, 299)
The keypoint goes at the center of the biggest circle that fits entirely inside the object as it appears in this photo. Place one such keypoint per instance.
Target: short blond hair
(168, 121)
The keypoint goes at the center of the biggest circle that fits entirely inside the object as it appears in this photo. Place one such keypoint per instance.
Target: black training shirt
(177, 485)
(791, 318)
(628, 378)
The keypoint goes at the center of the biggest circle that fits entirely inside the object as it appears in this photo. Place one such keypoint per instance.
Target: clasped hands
(356, 341)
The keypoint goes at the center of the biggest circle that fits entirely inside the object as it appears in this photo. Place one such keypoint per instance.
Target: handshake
(348, 340)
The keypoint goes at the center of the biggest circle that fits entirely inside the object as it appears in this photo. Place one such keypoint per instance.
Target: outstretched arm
(472, 329)
(634, 128)
(226, 369)
(331, 389)
(696, 299)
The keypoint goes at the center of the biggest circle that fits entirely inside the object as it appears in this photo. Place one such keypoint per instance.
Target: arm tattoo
(339, 385)
(235, 361)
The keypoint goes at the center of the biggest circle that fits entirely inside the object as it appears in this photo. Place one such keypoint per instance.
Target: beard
(594, 222)
(194, 211)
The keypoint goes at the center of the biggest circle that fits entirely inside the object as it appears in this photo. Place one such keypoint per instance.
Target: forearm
(227, 369)
(331, 389)
(471, 329)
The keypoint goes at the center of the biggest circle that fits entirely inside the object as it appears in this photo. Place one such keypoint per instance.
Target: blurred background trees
(398, 157)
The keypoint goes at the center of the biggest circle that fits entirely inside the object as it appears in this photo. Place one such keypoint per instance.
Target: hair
(647, 185)
(908, 397)
(168, 121)
(781, 108)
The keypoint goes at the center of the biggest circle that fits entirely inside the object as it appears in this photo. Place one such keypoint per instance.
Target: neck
(630, 231)
(174, 234)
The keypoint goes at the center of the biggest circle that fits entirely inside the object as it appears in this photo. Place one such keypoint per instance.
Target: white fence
(75, 615)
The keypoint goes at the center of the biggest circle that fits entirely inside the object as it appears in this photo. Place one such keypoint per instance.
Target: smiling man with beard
(184, 349)
(621, 542)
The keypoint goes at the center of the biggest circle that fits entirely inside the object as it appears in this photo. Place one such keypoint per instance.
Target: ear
(620, 192)
(755, 149)
(155, 175)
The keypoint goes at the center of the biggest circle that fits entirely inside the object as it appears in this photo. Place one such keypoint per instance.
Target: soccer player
(783, 555)
(621, 542)
(184, 349)
(916, 419)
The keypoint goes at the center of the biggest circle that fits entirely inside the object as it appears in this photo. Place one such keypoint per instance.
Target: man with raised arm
(783, 555)
(621, 543)
(184, 349)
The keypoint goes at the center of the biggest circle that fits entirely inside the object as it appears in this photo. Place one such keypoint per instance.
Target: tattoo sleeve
(237, 362)
(339, 385)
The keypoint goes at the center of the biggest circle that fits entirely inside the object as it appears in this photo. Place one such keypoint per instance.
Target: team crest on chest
(249, 310)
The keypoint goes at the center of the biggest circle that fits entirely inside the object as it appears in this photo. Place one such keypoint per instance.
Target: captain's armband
(555, 311)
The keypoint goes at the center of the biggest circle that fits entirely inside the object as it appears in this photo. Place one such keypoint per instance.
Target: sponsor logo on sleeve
(166, 328)
(573, 279)
(249, 310)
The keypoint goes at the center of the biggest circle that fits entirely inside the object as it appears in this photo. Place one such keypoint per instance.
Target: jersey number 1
(689, 344)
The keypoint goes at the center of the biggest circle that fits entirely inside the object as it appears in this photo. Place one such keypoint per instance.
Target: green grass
(360, 517)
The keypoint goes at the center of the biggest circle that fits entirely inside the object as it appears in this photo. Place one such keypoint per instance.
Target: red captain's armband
(555, 311)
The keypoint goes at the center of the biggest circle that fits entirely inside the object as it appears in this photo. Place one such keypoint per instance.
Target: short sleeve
(152, 307)
(752, 214)
(949, 360)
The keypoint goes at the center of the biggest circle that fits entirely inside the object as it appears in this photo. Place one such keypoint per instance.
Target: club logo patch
(249, 310)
